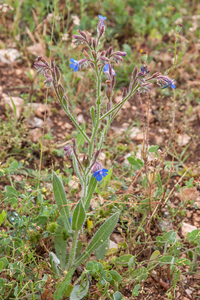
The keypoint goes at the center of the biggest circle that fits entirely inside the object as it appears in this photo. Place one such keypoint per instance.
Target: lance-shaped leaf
(61, 199)
(90, 191)
(100, 237)
(93, 115)
(78, 217)
(58, 295)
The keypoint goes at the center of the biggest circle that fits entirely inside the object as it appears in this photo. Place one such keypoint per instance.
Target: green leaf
(79, 291)
(168, 259)
(102, 250)
(63, 286)
(124, 259)
(115, 275)
(2, 217)
(136, 290)
(54, 262)
(80, 138)
(137, 163)
(78, 217)
(60, 240)
(154, 255)
(3, 263)
(183, 262)
(11, 191)
(140, 274)
(153, 148)
(193, 235)
(169, 237)
(117, 296)
(93, 115)
(99, 238)
(90, 192)
(61, 199)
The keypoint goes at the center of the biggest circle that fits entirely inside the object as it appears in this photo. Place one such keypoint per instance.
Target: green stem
(73, 249)
(71, 117)
(175, 58)
(98, 103)
(119, 105)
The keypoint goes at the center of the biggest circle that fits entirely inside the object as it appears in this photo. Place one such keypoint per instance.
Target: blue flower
(74, 64)
(101, 18)
(144, 70)
(100, 174)
(106, 70)
(170, 84)
(70, 219)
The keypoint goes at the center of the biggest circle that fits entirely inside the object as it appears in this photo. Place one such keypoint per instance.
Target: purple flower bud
(96, 154)
(68, 151)
(120, 53)
(49, 81)
(96, 167)
(104, 60)
(78, 37)
(109, 51)
(100, 24)
(41, 67)
(82, 33)
(124, 92)
(165, 82)
(117, 58)
(57, 72)
(102, 53)
(94, 54)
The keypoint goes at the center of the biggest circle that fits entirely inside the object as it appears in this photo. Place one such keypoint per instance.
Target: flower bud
(108, 106)
(68, 151)
(61, 91)
(103, 59)
(57, 72)
(178, 28)
(120, 53)
(94, 54)
(86, 161)
(109, 51)
(124, 92)
(96, 167)
(86, 54)
(82, 33)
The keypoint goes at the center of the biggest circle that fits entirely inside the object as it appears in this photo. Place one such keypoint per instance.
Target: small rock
(37, 49)
(158, 139)
(41, 111)
(35, 135)
(189, 214)
(35, 122)
(80, 119)
(186, 228)
(117, 238)
(7, 56)
(187, 194)
(113, 245)
(67, 126)
(102, 156)
(183, 139)
(60, 123)
(134, 132)
(126, 105)
(19, 102)
(78, 110)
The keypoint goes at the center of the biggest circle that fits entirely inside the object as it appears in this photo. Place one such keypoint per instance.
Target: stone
(8, 56)
(183, 139)
(35, 122)
(35, 135)
(41, 111)
(134, 132)
(185, 228)
(188, 194)
(112, 245)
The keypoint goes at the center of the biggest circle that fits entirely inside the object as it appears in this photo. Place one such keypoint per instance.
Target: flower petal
(76, 68)
(173, 86)
(104, 170)
(72, 60)
(96, 173)
(106, 68)
(72, 66)
(99, 177)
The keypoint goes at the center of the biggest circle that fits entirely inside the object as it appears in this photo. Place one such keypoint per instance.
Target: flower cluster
(165, 82)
